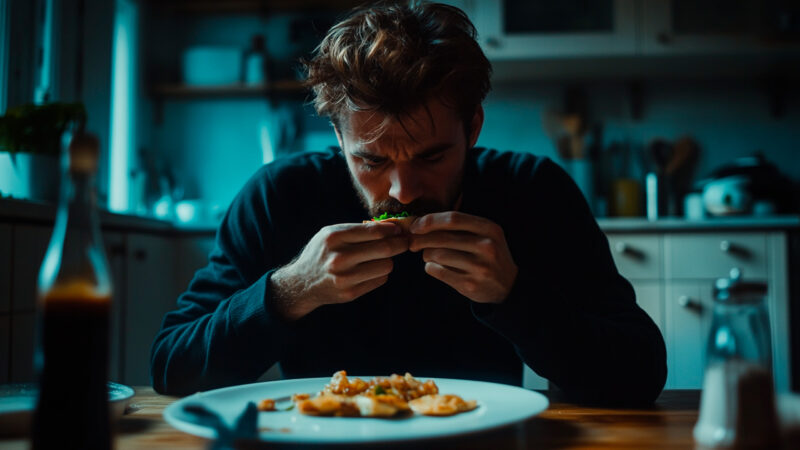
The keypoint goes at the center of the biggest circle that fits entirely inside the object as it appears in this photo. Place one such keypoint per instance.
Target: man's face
(416, 165)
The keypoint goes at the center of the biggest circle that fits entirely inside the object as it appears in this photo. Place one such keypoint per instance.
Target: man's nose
(406, 186)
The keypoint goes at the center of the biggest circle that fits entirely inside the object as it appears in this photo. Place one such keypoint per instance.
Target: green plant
(38, 128)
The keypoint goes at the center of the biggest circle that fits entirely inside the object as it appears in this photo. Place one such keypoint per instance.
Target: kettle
(728, 195)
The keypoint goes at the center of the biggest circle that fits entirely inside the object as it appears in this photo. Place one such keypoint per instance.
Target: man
(504, 264)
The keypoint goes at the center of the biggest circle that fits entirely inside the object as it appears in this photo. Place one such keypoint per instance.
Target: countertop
(12, 210)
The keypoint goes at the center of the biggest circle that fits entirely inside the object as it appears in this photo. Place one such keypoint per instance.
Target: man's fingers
(355, 254)
(456, 240)
(351, 233)
(362, 288)
(454, 278)
(370, 270)
(450, 258)
(455, 221)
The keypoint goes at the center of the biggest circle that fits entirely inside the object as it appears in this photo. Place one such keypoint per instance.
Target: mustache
(418, 207)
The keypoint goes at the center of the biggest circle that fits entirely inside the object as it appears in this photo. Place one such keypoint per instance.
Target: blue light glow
(123, 104)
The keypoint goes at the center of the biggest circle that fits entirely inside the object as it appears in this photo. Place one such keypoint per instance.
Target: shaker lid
(734, 289)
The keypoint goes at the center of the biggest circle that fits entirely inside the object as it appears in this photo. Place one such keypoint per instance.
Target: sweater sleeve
(224, 331)
(570, 315)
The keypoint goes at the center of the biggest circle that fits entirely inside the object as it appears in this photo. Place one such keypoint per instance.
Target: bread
(403, 222)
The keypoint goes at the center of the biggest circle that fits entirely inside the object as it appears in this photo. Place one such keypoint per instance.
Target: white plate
(498, 405)
(18, 400)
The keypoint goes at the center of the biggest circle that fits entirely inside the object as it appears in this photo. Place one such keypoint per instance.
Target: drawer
(695, 256)
(636, 256)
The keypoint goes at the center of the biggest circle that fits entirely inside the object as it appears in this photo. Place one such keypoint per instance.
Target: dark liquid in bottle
(72, 410)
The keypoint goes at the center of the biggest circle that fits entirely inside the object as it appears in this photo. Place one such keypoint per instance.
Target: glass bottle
(73, 314)
(737, 407)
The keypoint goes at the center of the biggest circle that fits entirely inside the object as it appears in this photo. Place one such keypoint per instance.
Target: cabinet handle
(140, 255)
(689, 303)
(734, 249)
(626, 249)
(492, 42)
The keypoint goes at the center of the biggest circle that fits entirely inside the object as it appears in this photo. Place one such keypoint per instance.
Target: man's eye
(434, 158)
(370, 164)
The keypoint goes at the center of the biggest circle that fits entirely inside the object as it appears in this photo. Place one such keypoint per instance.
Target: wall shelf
(177, 91)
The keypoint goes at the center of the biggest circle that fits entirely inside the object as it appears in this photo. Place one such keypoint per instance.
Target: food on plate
(404, 220)
(441, 405)
(380, 397)
(267, 404)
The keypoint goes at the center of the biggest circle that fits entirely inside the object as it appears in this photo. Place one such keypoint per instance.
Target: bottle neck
(77, 203)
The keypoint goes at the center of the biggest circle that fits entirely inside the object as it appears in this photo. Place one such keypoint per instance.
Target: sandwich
(403, 220)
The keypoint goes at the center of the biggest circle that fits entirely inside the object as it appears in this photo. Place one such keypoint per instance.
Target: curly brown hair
(391, 57)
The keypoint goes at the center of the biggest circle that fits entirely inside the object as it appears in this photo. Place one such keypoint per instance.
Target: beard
(418, 207)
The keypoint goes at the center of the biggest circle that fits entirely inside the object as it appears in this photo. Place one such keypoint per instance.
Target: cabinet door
(5, 268)
(23, 338)
(30, 244)
(192, 254)
(5, 348)
(115, 253)
(516, 29)
(150, 293)
(649, 298)
(688, 311)
(711, 27)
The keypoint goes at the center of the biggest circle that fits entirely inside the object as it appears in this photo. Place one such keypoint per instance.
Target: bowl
(18, 400)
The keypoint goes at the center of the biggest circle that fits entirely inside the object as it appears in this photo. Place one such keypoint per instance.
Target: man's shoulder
(504, 164)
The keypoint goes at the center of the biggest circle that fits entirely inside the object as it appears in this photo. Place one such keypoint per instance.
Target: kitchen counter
(22, 210)
(12, 210)
(641, 224)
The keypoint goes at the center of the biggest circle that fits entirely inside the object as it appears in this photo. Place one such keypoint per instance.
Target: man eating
(503, 264)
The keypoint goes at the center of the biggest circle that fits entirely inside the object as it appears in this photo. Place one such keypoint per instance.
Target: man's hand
(339, 264)
(468, 253)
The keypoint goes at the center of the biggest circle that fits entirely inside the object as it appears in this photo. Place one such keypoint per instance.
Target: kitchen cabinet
(673, 274)
(150, 293)
(712, 27)
(23, 343)
(5, 268)
(510, 29)
(30, 244)
(5, 347)
(114, 245)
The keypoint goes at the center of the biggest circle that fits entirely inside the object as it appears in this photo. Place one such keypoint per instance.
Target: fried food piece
(341, 385)
(380, 405)
(267, 404)
(405, 386)
(300, 396)
(328, 405)
(441, 405)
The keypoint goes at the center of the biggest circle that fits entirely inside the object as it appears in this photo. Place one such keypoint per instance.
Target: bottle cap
(734, 290)
(83, 153)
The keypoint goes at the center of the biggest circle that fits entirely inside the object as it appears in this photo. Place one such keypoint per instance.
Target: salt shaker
(737, 407)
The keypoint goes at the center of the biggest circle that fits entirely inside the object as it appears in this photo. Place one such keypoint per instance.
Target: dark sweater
(570, 315)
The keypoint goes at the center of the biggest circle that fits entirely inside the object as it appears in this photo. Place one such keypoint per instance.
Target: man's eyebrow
(366, 155)
(433, 150)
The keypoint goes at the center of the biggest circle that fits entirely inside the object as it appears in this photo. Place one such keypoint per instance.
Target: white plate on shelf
(18, 400)
(498, 405)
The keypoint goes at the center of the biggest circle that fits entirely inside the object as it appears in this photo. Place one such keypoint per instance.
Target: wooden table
(668, 424)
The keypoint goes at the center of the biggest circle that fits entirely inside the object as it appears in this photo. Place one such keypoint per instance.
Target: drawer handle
(734, 249)
(628, 250)
(689, 303)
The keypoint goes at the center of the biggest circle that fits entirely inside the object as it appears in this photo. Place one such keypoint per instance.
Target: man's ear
(475, 126)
